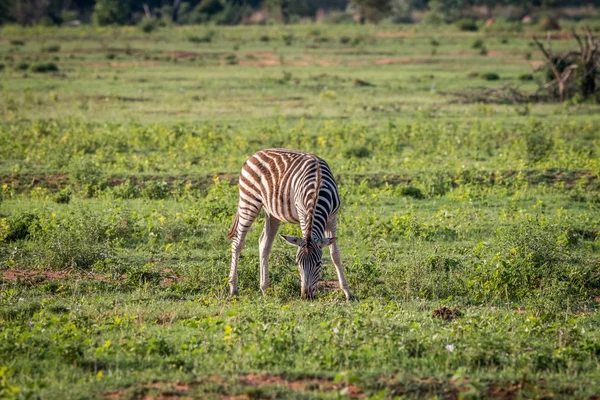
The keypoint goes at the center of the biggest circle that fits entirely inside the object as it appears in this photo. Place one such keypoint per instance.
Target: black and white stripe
(294, 187)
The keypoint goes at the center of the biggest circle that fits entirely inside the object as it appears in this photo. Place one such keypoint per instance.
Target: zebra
(294, 187)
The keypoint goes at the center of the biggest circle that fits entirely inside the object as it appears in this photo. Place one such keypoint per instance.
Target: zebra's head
(310, 262)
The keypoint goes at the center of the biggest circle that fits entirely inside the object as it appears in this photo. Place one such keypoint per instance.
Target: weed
(490, 76)
(467, 24)
(43, 67)
(51, 48)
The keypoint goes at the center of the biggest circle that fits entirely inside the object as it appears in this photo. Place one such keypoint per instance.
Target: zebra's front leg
(241, 224)
(337, 261)
(265, 244)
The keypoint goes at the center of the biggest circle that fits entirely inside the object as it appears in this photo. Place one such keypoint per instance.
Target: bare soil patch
(400, 60)
(305, 384)
(259, 63)
(392, 34)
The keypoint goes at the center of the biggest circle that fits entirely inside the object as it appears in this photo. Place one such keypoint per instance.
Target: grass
(118, 184)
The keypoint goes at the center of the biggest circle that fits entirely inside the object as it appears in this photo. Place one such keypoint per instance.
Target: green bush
(17, 42)
(539, 144)
(490, 76)
(155, 190)
(43, 67)
(148, 25)
(467, 24)
(288, 39)
(478, 43)
(526, 77)
(63, 197)
(206, 38)
(110, 12)
(357, 152)
(51, 48)
(76, 240)
(22, 66)
(87, 175)
(16, 227)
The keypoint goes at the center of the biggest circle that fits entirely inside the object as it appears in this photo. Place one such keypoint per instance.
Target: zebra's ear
(324, 242)
(296, 241)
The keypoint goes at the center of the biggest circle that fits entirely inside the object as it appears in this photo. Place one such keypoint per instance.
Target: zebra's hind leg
(244, 218)
(265, 243)
(337, 261)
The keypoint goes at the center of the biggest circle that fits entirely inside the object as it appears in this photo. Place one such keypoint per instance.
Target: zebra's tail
(234, 226)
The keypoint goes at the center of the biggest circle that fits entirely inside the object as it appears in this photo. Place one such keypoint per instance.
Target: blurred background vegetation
(153, 13)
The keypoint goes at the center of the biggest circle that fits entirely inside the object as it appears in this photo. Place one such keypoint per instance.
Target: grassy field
(470, 232)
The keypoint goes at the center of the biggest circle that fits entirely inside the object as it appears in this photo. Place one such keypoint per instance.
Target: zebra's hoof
(351, 297)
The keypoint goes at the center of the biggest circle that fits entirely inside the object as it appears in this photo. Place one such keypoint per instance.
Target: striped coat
(293, 187)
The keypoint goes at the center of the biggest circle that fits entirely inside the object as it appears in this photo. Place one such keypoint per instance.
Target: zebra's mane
(313, 203)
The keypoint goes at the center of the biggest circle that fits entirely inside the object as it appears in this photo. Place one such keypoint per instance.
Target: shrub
(478, 43)
(526, 77)
(51, 48)
(44, 67)
(357, 152)
(148, 25)
(288, 39)
(538, 145)
(206, 38)
(111, 56)
(87, 175)
(156, 190)
(63, 197)
(411, 191)
(490, 76)
(17, 42)
(110, 12)
(1, 67)
(231, 59)
(74, 241)
(467, 24)
(264, 38)
(22, 66)
(16, 227)
(345, 39)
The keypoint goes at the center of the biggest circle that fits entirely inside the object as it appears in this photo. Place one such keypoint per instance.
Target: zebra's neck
(312, 220)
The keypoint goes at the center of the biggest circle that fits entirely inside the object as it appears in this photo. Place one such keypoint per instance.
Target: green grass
(118, 178)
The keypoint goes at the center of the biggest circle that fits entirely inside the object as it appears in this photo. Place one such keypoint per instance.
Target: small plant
(467, 24)
(156, 190)
(478, 44)
(148, 25)
(43, 67)
(526, 77)
(22, 66)
(62, 197)
(111, 56)
(288, 39)
(357, 152)
(231, 59)
(539, 145)
(490, 76)
(345, 39)
(51, 48)
(434, 42)
(17, 42)
(264, 38)
(411, 191)
(17, 226)
(206, 38)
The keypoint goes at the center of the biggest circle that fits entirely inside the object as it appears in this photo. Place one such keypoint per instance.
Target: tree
(370, 10)
(111, 12)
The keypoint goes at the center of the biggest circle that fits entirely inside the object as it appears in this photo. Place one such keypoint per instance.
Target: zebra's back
(284, 182)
